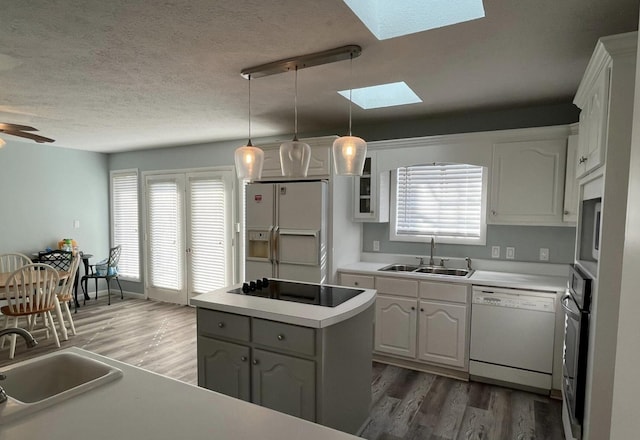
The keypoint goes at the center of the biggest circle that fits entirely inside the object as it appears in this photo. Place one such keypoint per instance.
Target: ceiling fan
(23, 131)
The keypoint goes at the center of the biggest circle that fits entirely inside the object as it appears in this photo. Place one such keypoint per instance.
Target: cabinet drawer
(397, 286)
(228, 325)
(444, 291)
(284, 336)
(361, 281)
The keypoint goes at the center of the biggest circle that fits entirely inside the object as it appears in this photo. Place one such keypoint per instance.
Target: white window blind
(124, 218)
(165, 234)
(208, 239)
(443, 200)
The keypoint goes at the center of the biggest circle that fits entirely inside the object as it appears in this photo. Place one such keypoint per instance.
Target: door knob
(280, 337)
(243, 358)
(255, 362)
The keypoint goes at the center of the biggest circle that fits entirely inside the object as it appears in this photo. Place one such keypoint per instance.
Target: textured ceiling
(122, 75)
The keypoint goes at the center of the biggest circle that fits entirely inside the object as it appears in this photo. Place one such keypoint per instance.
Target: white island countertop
(478, 277)
(144, 405)
(306, 315)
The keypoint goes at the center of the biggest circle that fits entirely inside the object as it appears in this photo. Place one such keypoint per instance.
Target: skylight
(388, 19)
(383, 95)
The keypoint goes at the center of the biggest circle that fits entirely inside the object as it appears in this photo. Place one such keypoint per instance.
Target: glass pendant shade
(249, 160)
(349, 153)
(2, 143)
(294, 158)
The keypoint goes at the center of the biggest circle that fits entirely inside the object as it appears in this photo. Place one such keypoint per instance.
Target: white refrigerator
(286, 231)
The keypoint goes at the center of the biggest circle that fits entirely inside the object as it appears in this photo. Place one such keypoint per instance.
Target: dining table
(63, 275)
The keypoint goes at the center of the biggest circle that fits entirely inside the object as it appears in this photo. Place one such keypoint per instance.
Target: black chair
(59, 260)
(107, 271)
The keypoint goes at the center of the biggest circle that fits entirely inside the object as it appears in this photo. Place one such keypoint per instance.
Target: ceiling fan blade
(7, 126)
(33, 137)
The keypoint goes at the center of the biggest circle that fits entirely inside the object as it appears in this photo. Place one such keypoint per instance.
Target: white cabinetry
(570, 212)
(419, 322)
(371, 193)
(319, 164)
(527, 182)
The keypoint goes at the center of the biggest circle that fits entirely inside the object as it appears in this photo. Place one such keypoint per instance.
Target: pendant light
(295, 155)
(349, 152)
(249, 159)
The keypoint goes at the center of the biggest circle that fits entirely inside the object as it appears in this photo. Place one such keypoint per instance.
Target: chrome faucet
(31, 342)
(433, 246)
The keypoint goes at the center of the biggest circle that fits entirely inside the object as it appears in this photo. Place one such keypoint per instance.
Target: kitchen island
(145, 405)
(308, 360)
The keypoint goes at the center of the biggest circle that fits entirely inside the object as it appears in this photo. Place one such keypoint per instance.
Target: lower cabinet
(432, 328)
(284, 383)
(300, 371)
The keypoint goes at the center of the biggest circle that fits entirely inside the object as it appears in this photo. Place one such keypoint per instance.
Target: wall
(44, 189)
(625, 423)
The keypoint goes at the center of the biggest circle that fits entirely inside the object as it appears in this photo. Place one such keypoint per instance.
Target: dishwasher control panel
(515, 299)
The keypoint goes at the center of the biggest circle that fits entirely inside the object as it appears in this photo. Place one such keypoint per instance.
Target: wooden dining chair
(65, 292)
(31, 291)
(12, 261)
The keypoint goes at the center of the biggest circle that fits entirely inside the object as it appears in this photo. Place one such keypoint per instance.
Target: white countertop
(284, 311)
(144, 405)
(478, 277)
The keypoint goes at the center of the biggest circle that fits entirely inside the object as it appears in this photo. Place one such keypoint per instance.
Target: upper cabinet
(603, 91)
(527, 182)
(319, 164)
(570, 213)
(371, 193)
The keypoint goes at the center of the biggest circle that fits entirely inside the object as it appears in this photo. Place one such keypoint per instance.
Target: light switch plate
(376, 246)
(495, 251)
(76, 224)
(544, 254)
(511, 253)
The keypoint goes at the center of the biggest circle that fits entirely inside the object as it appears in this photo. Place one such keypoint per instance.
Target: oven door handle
(564, 301)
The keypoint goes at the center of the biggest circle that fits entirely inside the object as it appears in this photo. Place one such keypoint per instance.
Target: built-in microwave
(595, 242)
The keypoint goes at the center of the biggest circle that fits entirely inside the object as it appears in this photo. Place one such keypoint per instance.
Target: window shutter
(165, 234)
(125, 222)
(208, 239)
(444, 200)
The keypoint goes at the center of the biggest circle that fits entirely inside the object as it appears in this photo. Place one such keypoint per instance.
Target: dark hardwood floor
(406, 405)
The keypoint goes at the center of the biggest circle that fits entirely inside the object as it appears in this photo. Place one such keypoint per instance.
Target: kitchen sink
(47, 380)
(437, 270)
(433, 270)
(399, 268)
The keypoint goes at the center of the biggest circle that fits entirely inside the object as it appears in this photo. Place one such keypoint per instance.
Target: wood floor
(407, 405)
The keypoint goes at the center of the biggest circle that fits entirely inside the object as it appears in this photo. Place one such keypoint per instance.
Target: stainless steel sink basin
(50, 379)
(433, 270)
(399, 268)
(443, 271)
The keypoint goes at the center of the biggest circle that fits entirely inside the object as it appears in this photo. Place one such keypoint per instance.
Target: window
(446, 201)
(124, 222)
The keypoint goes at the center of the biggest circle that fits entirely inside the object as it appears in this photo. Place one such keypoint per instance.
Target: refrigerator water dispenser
(259, 245)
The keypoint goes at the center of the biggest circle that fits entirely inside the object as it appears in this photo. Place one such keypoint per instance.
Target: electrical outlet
(544, 254)
(495, 251)
(511, 253)
(376, 246)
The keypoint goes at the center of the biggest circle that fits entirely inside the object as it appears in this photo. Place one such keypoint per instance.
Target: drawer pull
(355, 283)
(221, 324)
(280, 337)
(243, 358)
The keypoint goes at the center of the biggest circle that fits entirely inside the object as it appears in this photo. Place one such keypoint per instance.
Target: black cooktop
(315, 294)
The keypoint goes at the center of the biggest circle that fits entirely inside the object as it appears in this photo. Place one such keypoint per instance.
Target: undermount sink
(399, 268)
(47, 380)
(433, 270)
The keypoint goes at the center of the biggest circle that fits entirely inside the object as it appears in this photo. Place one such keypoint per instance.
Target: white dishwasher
(512, 335)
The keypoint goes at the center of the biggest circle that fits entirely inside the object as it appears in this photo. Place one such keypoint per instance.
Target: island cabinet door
(284, 383)
(224, 367)
(395, 326)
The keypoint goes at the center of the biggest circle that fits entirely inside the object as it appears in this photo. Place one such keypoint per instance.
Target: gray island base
(308, 361)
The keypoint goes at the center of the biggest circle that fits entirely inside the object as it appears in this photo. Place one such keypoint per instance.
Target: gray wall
(44, 189)
(527, 241)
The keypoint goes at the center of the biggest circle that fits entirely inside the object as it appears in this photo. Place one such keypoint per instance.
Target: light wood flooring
(406, 405)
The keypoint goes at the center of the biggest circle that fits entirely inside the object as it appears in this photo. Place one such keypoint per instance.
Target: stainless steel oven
(577, 305)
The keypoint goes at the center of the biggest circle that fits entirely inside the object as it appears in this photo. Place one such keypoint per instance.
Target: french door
(188, 234)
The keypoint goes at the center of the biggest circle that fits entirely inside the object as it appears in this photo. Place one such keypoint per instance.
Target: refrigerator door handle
(300, 255)
(274, 254)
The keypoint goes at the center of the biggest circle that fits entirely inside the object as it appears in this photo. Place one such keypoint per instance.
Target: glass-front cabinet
(371, 193)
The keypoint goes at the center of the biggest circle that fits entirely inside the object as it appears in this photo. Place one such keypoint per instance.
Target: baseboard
(418, 366)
